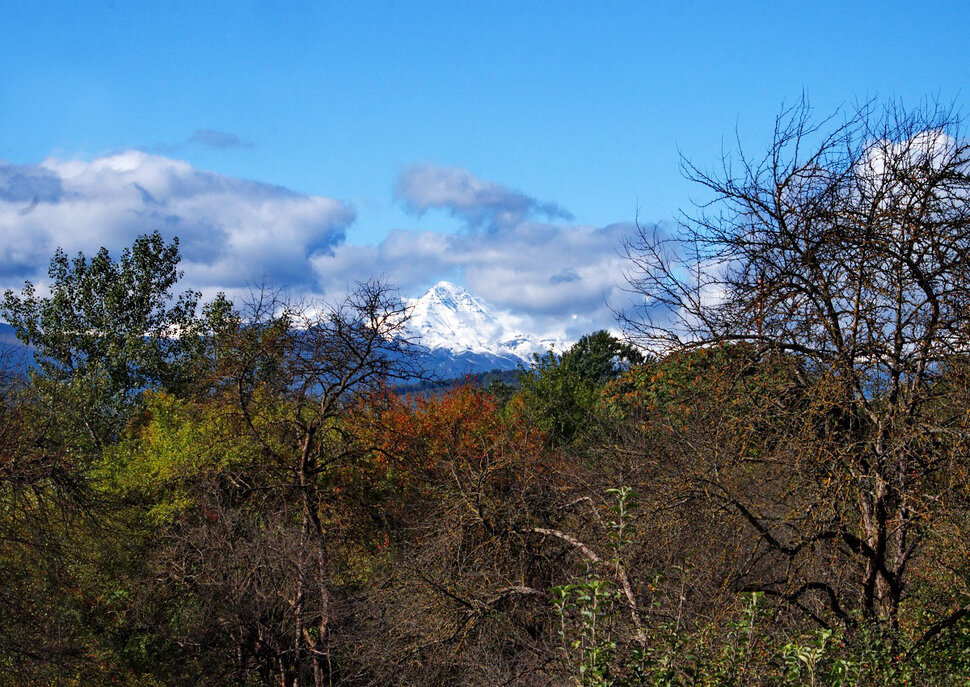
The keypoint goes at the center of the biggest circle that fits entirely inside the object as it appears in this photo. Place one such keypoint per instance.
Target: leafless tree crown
(845, 248)
(844, 241)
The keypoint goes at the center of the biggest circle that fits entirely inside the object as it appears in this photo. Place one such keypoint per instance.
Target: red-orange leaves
(460, 425)
(463, 426)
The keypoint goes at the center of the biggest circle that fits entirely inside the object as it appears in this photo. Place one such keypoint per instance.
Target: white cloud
(476, 201)
(232, 231)
(889, 168)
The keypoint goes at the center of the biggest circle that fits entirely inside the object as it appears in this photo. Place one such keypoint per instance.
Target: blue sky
(414, 138)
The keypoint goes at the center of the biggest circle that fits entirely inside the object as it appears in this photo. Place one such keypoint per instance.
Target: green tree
(599, 357)
(108, 330)
(561, 391)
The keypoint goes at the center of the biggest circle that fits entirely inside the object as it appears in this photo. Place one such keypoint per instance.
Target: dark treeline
(766, 485)
(502, 383)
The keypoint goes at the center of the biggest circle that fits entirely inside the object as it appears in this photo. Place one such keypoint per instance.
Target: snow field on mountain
(448, 317)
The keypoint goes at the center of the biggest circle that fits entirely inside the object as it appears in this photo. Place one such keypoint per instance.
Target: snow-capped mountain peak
(449, 317)
(446, 296)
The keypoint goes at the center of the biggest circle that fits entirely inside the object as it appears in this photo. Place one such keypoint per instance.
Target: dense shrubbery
(463, 545)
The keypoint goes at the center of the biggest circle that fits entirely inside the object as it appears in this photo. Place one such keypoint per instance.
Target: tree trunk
(313, 545)
(880, 597)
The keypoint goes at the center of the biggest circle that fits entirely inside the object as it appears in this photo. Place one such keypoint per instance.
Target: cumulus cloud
(563, 277)
(888, 167)
(478, 202)
(232, 231)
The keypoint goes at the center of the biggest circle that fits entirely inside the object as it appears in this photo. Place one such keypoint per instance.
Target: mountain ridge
(449, 318)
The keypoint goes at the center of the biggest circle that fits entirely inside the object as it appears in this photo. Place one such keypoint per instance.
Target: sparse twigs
(839, 259)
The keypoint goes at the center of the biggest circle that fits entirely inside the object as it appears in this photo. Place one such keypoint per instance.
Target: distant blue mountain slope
(14, 356)
(437, 363)
(441, 363)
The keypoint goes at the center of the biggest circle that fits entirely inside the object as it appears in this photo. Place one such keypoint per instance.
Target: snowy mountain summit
(448, 317)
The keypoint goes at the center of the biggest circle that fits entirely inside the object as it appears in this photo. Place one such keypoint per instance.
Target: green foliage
(588, 610)
(809, 661)
(108, 330)
(599, 357)
(179, 444)
(561, 392)
(585, 609)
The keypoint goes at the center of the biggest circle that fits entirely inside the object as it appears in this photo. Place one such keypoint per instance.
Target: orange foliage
(463, 425)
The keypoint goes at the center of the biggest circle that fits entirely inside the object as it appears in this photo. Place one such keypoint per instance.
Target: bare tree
(294, 373)
(845, 247)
